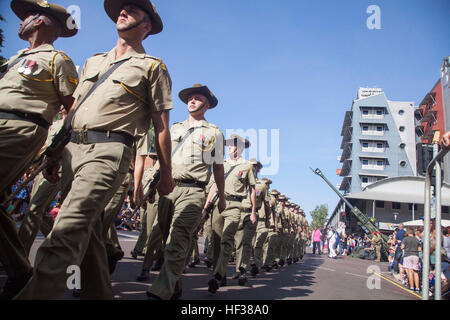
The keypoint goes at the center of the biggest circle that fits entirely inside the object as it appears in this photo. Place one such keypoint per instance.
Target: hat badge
(43, 3)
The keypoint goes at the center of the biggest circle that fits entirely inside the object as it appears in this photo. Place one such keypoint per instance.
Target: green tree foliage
(2, 59)
(319, 216)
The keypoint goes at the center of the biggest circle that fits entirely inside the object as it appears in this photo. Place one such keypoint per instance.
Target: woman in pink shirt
(316, 240)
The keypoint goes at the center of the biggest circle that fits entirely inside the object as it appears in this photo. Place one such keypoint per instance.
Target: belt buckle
(79, 137)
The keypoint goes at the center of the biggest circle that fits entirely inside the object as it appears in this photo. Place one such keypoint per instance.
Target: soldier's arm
(253, 200)
(163, 149)
(138, 195)
(219, 177)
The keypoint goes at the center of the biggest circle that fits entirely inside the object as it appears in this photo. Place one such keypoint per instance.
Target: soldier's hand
(165, 185)
(138, 196)
(253, 218)
(222, 205)
(51, 172)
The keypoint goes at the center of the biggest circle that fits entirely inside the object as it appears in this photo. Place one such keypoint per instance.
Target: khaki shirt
(52, 76)
(53, 131)
(261, 196)
(125, 101)
(200, 150)
(148, 174)
(272, 205)
(280, 213)
(240, 179)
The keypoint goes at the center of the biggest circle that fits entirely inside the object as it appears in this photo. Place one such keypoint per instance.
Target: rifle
(151, 191)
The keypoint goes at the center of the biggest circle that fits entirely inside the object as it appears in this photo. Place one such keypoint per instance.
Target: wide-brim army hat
(113, 8)
(267, 181)
(22, 7)
(275, 192)
(235, 138)
(281, 198)
(255, 162)
(202, 89)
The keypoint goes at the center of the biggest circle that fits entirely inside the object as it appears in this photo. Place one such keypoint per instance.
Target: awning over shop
(406, 189)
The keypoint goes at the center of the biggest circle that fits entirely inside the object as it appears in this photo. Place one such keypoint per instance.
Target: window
(379, 145)
(380, 162)
(444, 209)
(396, 205)
(401, 112)
(379, 204)
(402, 146)
(379, 112)
(402, 128)
(410, 207)
(365, 179)
(365, 144)
(379, 128)
(403, 163)
(365, 128)
(365, 162)
(365, 112)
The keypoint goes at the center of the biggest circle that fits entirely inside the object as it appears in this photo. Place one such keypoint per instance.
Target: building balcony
(346, 151)
(347, 137)
(418, 114)
(347, 121)
(430, 99)
(419, 130)
(430, 115)
(346, 168)
(345, 184)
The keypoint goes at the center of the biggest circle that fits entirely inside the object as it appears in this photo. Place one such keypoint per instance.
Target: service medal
(29, 67)
(22, 68)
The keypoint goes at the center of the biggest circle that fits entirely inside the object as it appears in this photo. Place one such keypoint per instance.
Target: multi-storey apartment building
(378, 140)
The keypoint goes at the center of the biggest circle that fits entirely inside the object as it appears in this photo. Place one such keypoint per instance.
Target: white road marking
(356, 275)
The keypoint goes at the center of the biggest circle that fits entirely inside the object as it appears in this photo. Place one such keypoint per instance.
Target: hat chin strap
(133, 25)
(30, 21)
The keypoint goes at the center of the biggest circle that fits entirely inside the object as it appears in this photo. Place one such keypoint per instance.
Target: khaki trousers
(290, 245)
(284, 239)
(243, 241)
(36, 217)
(273, 248)
(229, 219)
(155, 241)
(112, 209)
(20, 141)
(185, 205)
(77, 236)
(261, 244)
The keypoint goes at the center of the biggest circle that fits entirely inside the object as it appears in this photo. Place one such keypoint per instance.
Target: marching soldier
(33, 85)
(285, 230)
(262, 229)
(292, 234)
(247, 227)
(100, 151)
(304, 235)
(237, 184)
(271, 248)
(198, 147)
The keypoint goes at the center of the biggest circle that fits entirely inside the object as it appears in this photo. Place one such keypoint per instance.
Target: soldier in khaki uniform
(296, 253)
(271, 244)
(285, 230)
(33, 85)
(376, 243)
(262, 229)
(292, 234)
(304, 235)
(43, 193)
(247, 227)
(100, 152)
(199, 147)
(237, 184)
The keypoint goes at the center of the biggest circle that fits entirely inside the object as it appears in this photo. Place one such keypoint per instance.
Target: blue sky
(290, 65)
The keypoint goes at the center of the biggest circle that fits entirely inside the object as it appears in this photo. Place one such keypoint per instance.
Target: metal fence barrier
(434, 164)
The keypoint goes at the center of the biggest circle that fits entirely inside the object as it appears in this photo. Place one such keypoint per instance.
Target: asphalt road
(316, 277)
